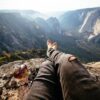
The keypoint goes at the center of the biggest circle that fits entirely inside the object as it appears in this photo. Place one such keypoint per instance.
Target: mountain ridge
(21, 32)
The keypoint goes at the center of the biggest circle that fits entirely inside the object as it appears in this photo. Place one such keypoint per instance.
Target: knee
(70, 57)
(69, 65)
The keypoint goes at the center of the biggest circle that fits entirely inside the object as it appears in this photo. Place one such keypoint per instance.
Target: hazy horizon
(46, 6)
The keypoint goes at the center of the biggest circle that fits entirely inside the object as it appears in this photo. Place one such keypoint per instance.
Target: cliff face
(91, 22)
(83, 24)
(84, 20)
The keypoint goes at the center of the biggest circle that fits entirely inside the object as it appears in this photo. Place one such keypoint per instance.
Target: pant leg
(76, 82)
(45, 85)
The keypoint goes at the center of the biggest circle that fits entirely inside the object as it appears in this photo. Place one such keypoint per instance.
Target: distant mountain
(23, 30)
(54, 25)
(17, 32)
(30, 14)
(81, 21)
(83, 24)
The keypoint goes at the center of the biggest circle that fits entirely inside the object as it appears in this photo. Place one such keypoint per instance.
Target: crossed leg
(46, 85)
(76, 82)
(63, 76)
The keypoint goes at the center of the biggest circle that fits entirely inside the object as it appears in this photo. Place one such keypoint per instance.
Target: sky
(48, 5)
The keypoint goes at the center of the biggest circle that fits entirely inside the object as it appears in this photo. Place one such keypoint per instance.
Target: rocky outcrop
(10, 87)
(54, 24)
(16, 91)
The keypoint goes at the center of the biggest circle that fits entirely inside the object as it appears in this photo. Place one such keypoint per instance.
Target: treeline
(6, 57)
(84, 56)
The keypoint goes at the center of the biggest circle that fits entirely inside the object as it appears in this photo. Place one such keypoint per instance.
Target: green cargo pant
(63, 79)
